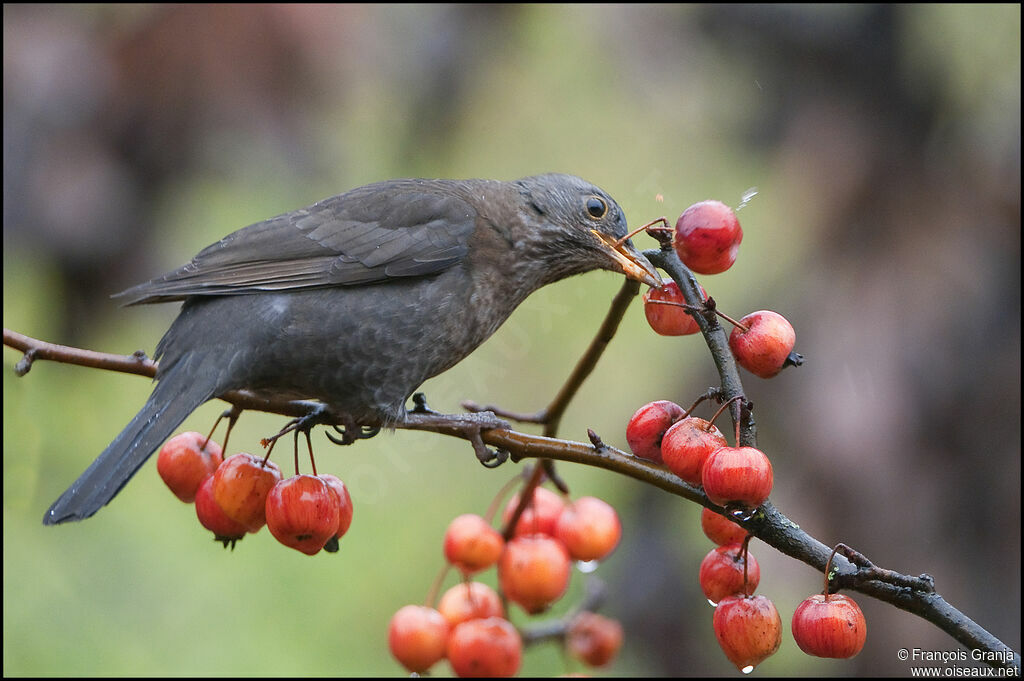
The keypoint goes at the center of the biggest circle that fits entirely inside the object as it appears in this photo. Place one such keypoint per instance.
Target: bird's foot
(469, 426)
(304, 424)
(351, 431)
(320, 414)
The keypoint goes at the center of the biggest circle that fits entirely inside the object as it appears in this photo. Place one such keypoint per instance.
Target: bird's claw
(351, 432)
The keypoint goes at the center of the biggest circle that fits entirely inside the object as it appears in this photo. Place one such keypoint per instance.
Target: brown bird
(356, 300)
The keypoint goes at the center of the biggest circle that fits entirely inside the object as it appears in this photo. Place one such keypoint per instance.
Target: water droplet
(742, 514)
(746, 197)
(586, 566)
(749, 668)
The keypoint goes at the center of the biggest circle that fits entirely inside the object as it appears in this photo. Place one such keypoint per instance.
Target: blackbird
(356, 300)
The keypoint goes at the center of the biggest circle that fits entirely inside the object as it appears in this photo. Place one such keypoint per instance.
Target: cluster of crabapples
(239, 495)
(470, 627)
(748, 627)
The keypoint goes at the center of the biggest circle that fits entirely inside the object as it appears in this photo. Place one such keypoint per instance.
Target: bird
(353, 302)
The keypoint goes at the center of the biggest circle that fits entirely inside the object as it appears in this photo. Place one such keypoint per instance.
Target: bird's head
(575, 227)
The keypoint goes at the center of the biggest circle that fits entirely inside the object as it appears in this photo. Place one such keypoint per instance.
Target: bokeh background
(884, 146)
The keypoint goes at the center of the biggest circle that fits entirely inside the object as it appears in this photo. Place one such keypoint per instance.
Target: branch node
(25, 363)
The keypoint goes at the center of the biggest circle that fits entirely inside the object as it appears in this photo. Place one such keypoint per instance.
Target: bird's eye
(596, 207)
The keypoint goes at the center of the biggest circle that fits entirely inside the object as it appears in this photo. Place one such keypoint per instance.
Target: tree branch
(912, 594)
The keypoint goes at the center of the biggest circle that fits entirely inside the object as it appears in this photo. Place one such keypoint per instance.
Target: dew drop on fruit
(749, 668)
(587, 566)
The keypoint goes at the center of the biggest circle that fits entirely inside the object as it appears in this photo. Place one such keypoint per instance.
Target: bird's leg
(317, 414)
(470, 425)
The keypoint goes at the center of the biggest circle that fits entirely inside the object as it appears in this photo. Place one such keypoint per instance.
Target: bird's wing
(401, 228)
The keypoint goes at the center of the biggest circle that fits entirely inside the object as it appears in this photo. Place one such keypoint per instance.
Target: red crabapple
(225, 530)
(183, 463)
(471, 544)
(763, 348)
(417, 637)
(669, 320)
(240, 488)
(647, 428)
(303, 512)
(590, 529)
(748, 629)
(485, 648)
(721, 573)
(469, 601)
(737, 476)
(707, 237)
(593, 639)
(344, 502)
(540, 516)
(829, 626)
(719, 529)
(534, 571)
(688, 444)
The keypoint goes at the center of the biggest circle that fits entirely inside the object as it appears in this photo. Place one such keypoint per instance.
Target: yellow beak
(634, 265)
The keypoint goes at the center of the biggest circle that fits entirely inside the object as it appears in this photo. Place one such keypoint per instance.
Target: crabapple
(722, 573)
(748, 629)
(468, 601)
(184, 463)
(534, 571)
(647, 427)
(303, 512)
(417, 637)
(240, 488)
(707, 237)
(669, 320)
(738, 476)
(485, 648)
(590, 529)
(688, 444)
(829, 626)
(471, 544)
(763, 348)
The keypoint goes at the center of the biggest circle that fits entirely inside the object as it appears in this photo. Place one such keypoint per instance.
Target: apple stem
(663, 220)
(732, 321)
(232, 415)
(721, 409)
(828, 568)
(309, 446)
(435, 588)
(711, 393)
(499, 498)
(699, 308)
(269, 444)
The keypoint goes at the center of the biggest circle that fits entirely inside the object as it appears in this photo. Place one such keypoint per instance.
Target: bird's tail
(176, 395)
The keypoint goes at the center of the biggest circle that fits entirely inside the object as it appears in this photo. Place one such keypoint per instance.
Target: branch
(913, 594)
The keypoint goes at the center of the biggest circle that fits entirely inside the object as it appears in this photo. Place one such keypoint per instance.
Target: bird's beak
(634, 265)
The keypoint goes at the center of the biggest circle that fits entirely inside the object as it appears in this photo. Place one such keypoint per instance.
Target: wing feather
(401, 228)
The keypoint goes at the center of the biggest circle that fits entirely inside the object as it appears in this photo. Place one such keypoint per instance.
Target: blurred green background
(884, 145)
